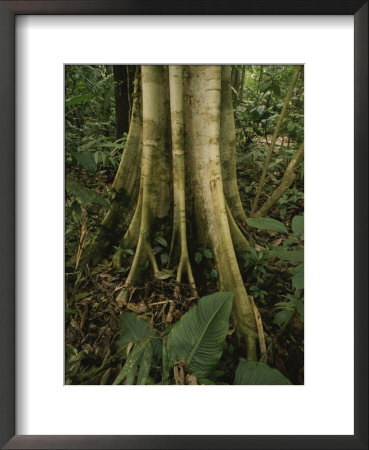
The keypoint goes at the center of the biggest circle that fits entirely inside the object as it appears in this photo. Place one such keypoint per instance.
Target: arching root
(178, 153)
(241, 244)
(184, 265)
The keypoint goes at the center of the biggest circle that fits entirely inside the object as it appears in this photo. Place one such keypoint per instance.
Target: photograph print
(184, 225)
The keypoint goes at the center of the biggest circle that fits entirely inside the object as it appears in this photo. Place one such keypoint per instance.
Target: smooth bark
(228, 149)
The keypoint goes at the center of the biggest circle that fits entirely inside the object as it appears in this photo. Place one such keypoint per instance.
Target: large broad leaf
(252, 372)
(132, 329)
(298, 277)
(198, 338)
(87, 196)
(85, 160)
(267, 224)
(298, 225)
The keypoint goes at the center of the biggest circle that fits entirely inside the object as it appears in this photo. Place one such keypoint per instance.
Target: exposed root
(259, 324)
(152, 259)
(152, 141)
(127, 180)
(142, 252)
(241, 244)
(179, 215)
(185, 266)
(131, 236)
(175, 226)
(227, 148)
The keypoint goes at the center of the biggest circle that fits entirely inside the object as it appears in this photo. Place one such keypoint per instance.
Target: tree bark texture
(123, 89)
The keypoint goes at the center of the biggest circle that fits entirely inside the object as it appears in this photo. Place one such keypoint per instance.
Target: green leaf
(161, 240)
(300, 308)
(265, 86)
(275, 163)
(206, 381)
(208, 253)
(77, 99)
(82, 295)
(129, 369)
(198, 257)
(257, 373)
(76, 209)
(256, 113)
(214, 273)
(298, 277)
(253, 253)
(145, 364)
(85, 195)
(217, 373)
(290, 126)
(164, 258)
(260, 109)
(145, 265)
(298, 225)
(157, 348)
(198, 337)
(97, 157)
(282, 316)
(156, 250)
(267, 224)
(276, 90)
(85, 160)
(165, 359)
(132, 329)
(293, 256)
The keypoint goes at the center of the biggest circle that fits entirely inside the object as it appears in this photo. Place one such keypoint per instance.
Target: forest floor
(92, 315)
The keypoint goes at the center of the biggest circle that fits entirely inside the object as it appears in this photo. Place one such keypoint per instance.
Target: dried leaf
(162, 275)
(191, 379)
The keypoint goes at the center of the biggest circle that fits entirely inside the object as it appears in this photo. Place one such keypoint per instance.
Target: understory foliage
(163, 331)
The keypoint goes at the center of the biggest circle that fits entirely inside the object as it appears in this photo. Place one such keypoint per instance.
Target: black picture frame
(8, 12)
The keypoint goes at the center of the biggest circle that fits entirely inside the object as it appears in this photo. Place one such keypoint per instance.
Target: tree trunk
(123, 90)
(242, 83)
(188, 180)
(126, 186)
